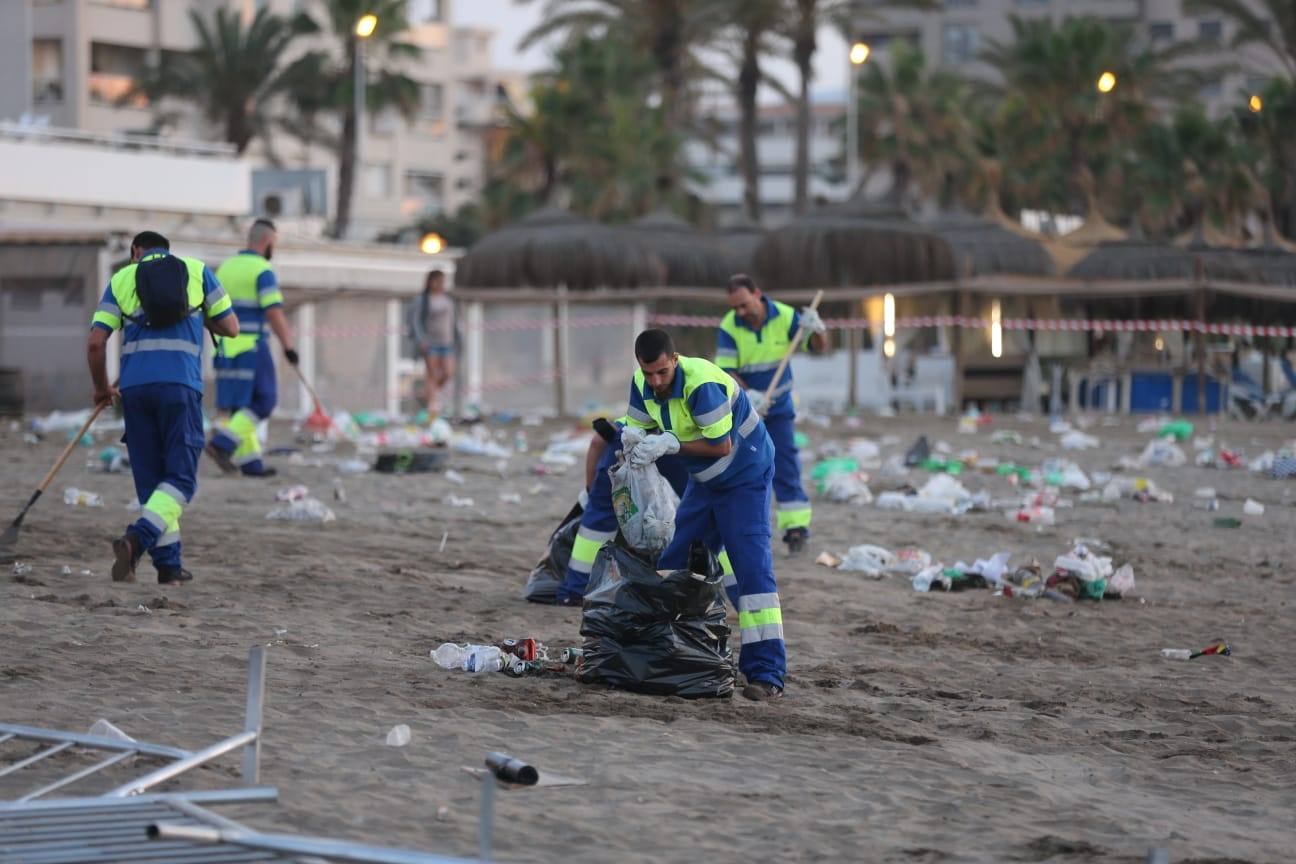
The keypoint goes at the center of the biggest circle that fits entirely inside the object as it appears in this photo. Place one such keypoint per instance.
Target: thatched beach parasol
(553, 247)
(690, 258)
(858, 243)
(986, 247)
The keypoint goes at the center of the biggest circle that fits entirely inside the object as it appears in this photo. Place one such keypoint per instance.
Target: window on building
(1161, 32)
(377, 180)
(959, 44)
(432, 103)
(113, 70)
(47, 70)
(1210, 31)
(1028, 4)
(960, 4)
(424, 193)
(129, 4)
(423, 11)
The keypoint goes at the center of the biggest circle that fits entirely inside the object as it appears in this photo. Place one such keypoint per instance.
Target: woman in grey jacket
(434, 335)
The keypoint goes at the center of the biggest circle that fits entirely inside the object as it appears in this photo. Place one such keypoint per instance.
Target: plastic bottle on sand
(1176, 653)
(483, 658)
(450, 656)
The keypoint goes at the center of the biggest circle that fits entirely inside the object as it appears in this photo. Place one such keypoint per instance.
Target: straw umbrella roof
(1137, 258)
(740, 238)
(690, 258)
(990, 247)
(553, 247)
(853, 244)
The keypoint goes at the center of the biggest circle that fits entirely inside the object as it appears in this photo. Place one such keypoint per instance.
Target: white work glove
(757, 400)
(811, 322)
(631, 437)
(653, 448)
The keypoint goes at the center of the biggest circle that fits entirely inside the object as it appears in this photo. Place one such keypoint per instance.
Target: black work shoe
(126, 554)
(221, 458)
(265, 471)
(796, 538)
(762, 691)
(172, 575)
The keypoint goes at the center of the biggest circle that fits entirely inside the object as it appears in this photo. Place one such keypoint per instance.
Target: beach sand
(916, 727)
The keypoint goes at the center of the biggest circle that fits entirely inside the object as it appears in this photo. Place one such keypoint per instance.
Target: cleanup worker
(692, 407)
(160, 302)
(753, 338)
(598, 522)
(245, 371)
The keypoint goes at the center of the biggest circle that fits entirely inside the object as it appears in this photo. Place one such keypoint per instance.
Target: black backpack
(162, 285)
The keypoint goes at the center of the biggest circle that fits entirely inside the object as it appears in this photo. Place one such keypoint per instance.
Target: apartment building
(67, 63)
(715, 158)
(957, 34)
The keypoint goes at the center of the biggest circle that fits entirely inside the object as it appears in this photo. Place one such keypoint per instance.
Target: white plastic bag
(645, 506)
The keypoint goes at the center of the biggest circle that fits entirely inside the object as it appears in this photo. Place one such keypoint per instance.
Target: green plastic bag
(1180, 430)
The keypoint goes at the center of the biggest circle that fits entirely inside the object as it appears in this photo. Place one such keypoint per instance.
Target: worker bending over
(693, 408)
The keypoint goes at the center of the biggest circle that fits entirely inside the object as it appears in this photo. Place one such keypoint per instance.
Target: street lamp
(1106, 82)
(431, 244)
(1256, 104)
(364, 28)
(858, 56)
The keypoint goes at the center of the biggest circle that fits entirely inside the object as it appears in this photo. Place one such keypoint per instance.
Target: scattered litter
(872, 561)
(21, 568)
(1179, 430)
(65, 570)
(510, 498)
(454, 477)
(1036, 515)
(1161, 453)
(918, 453)
(352, 466)
(292, 493)
(456, 501)
(112, 460)
(1138, 488)
(1205, 492)
(303, 510)
(445, 535)
(399, 735)
(103, 728)
(75, 497)
(827, 559)
(410, 462)
(1253, 507)
(1227, 522)
(1219, 649)
(1078, 441)
(867, 453)
(339, 492)
(1006, 436)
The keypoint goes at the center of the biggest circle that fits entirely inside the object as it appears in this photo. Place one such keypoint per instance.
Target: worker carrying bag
(162, 285)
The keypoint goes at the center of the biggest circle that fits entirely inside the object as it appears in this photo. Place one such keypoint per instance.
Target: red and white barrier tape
(910, 323)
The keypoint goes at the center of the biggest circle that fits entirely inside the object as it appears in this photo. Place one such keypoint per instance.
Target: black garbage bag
(549, 573)
(662, 636)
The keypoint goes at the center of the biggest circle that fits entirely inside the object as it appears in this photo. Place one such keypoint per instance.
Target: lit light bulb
(1106, 82)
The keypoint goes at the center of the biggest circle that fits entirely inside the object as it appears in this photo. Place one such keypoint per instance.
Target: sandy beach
(916, 728)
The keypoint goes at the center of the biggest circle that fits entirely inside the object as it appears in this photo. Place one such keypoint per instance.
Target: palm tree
(1272, 25)
(1189, 171)
(806, 19)
(590, 136)
(321, 81)
(914, 120)
(1062, 121)
(233, 75)
(754, 23)
(1272, 134)
(671, 32)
